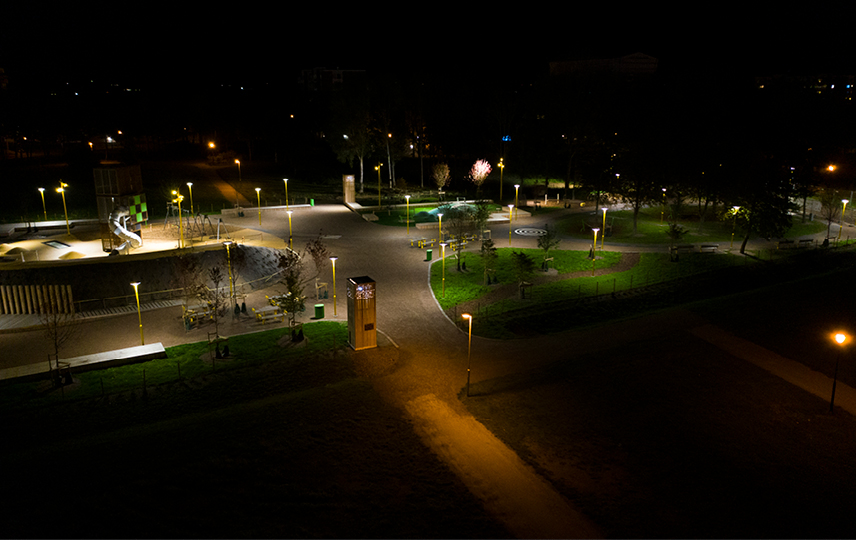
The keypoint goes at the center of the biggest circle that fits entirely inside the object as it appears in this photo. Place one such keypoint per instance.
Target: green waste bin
(428, 254)
(319, 311)
(311, 202)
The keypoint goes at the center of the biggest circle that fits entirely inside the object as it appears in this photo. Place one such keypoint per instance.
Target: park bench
(805, 242)
(271, 317)
(683, 248)
(785, 244)
(708, 248)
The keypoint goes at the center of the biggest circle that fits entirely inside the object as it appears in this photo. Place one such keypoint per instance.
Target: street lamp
(285, 181)
(136, 284)
(664, 205)
(501, 168)
(61, 191)
(734, 225)
(289, 212)
(259, 200)
(379, 165)
(228, 243)
(44, 208)
(840, 339)
(593, 247)
(190, 188)
(604, 228)
(469, 348)
(334, 259)
(510, 216)
(407, 198)
(440, 227)
(841, 220)
(443, 264)
(178, 198)
(516, 187)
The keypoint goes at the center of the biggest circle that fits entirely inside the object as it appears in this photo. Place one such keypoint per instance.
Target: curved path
(432, 356)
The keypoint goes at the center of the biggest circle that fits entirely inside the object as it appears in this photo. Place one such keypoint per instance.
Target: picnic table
(269, 313)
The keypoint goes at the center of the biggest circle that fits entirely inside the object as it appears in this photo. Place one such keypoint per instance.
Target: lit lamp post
(604, 229)
(190, 188)
(285, 181)
(289, 212)
(734, 225)
(440, 227)
(136, 284)
(469, 348)
(501, 168)
(240, 181)
(516, 188)
(841, 221)
(407, 198)
(44, 208)
(664, 206)
(510, 216)
(593, 247)
(259, 200)
(379, 165)
(334, 259)
(178, 198)
(443, 264)
(839, 339)
(61, 191)
(228, 243)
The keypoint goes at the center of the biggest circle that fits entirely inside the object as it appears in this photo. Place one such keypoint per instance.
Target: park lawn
(469, 285)
(192, 360)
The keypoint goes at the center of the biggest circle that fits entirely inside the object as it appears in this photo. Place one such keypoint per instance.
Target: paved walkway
(431, 369)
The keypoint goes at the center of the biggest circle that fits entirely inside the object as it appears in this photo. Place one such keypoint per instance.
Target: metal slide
(118, 218)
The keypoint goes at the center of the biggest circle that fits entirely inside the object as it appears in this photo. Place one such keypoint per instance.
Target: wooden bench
(805, 242)
(271, 317)
(683, 248)
(708, 248)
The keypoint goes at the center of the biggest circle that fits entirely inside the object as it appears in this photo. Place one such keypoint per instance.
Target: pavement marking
(790, 370)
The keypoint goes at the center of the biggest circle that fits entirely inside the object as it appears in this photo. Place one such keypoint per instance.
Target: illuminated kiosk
(362, 317)
(348, 188)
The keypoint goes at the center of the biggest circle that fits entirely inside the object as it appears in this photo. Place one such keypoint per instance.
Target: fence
(35, 299)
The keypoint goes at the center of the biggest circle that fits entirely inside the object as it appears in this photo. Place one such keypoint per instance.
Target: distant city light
(506, 138)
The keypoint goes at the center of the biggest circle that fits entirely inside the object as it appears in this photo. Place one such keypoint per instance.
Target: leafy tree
(547, 242)
(765, 199)
(479, 172)
(481, 214)
(675, 232)
(294, 279)
(460, 223)
(523, 267)
(216, 296)
(489, 256)
(440, 174)
(830, 207)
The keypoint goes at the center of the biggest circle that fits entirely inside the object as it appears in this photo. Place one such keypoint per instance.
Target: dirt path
(509, 290)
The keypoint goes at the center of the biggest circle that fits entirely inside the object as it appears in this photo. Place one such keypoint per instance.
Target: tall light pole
(136, 284)
(259, 199)
(841, 220)
(443, 264)
(604, 228)
(190, 188)
(501, 168)
(593, 248)
(440, 227)
(839, 339)
(334, 259)
(228, 243)
(178, 198)
(379, 165)
(516, 188)
(44, 208)
(663, 212)
(61, 191)
(735, 209)
(240, 181)
(407, 198)
(469, 348)
(285, 181)
(289, 212)
(510, 216)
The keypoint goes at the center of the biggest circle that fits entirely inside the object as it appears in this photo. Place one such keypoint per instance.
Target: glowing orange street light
(840, 339)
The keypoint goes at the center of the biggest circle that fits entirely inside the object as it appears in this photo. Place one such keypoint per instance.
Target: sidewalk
(789, 370)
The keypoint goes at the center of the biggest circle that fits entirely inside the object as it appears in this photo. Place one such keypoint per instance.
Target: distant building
(632, 65)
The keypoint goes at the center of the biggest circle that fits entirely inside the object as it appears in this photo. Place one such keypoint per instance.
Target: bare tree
(59, 328)
(547, 242)
(216, 296)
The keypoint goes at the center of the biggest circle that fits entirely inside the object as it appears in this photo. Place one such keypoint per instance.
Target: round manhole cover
(528, 231)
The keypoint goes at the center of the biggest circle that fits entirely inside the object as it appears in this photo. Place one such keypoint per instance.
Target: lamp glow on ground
(469, 347)
(136, 285)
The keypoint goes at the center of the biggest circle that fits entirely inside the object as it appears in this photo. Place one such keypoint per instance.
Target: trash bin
(428, 254)
(319, 311)
(311, 202)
